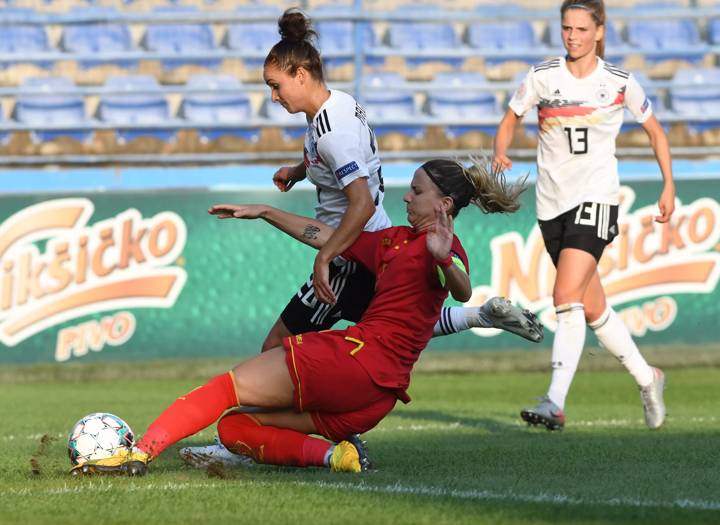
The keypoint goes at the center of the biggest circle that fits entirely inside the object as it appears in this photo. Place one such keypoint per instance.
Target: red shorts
(332, 386)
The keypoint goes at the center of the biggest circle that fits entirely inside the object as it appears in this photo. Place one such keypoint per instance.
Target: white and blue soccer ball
(97, 436)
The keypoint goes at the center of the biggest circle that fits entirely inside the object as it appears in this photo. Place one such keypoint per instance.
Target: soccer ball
(98, 436)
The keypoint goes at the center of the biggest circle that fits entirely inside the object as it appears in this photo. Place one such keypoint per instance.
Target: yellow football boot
(132, 462)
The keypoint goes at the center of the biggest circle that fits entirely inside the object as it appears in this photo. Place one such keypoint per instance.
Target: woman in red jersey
(581, 100)
(340, 382)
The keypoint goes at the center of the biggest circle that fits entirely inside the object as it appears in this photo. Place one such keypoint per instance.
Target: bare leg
(264, 380)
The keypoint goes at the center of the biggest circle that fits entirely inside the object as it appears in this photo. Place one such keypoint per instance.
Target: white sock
(614, 335)
(454, 319)
(567, 349)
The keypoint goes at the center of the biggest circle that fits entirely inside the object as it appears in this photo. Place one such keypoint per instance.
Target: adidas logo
(613, 229)
(557, 92)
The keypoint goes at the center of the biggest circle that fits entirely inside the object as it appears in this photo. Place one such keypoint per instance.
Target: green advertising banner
(141, 275)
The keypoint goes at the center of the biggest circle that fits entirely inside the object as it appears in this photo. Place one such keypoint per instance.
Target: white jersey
(579, 120)
(340, 147)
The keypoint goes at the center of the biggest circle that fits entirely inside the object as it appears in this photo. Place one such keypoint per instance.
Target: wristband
(447, 262)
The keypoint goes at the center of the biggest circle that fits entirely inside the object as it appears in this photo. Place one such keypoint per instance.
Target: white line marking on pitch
(422, 490)
(421, 427)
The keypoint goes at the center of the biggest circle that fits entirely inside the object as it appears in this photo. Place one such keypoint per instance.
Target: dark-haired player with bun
(341, 160)
(338, 383)
(581, 102)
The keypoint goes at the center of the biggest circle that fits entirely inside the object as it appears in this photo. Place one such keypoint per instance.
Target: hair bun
(294, 26)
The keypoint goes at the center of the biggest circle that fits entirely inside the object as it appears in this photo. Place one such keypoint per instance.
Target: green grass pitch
(457, 454)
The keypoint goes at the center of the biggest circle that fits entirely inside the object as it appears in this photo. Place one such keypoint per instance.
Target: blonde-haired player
(581, 101)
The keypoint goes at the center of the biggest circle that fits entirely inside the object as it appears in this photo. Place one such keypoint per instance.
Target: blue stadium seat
(98, 38)
(51, 101)
(675, 39)
(140, 101)
(339, 37)
(695, 96)
(21, 40)
(294, 124)
(223, 102)
(714, 32)
(385, 102)
(462, 104)
(424, 37)
(180, 39)
(516, 36)
(258, 37)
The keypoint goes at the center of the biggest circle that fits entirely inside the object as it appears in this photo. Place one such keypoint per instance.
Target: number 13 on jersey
(577, 140)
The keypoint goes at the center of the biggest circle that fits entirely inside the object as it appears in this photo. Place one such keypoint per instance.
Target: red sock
(242, 434)
(190, 414)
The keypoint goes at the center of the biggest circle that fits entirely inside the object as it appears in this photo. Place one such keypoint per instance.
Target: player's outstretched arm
(310, 231)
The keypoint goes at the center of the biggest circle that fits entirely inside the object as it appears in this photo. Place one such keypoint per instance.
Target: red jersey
(399, 321)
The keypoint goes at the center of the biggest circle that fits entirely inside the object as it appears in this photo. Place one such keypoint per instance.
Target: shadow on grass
(435, 416)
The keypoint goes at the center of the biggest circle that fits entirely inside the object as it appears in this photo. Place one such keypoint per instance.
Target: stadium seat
(97, 39)
(51, 101)
(696, 93)
(666, 39)
(714, 32)
(338, 37)
(180, 39)
(253, 39)
(462, 104)
(517, 38)
(293, 124)
(22, 40)
(424, 38)
(383, 102)
(223, 102)
(140, 101)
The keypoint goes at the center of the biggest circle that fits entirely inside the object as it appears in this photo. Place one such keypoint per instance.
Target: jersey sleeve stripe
(550, 64)
(617, 71)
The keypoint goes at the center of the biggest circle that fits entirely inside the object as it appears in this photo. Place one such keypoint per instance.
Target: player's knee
(593, 313)
(570, 314)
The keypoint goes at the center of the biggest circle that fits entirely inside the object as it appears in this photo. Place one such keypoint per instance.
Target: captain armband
(446, 263)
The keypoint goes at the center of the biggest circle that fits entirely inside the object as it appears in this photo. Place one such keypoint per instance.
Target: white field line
(422, 490)
(455, 425)
(420, 427)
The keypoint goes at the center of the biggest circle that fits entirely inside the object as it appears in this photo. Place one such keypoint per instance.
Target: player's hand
(666, 203)
(439, 238)
(237, 211)
(501, 162)
(321, 281)
(283, 179)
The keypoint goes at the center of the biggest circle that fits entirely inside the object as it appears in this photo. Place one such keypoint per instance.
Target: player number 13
(577, 140)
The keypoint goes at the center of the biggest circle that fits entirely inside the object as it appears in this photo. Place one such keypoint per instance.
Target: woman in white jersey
(341, 160)
(581, 100)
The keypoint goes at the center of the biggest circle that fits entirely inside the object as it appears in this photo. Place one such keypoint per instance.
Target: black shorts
(354, 287)
(588, 227)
